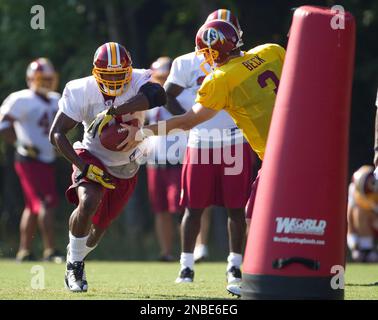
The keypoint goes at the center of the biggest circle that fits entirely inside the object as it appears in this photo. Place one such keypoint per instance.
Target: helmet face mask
(210, 56)
(112, 83)
(112, 68)
(41, 76)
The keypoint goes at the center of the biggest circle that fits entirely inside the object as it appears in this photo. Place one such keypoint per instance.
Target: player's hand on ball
(98, 175)
(135, 136)
(101, 120)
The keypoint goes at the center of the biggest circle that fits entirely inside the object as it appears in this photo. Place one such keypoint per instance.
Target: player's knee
(236, 214)
(194, 214)
(88, 203)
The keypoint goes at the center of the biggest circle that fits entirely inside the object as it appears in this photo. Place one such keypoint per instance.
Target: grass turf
(148, 280)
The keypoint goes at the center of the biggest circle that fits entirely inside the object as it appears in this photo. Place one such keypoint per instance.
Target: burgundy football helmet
(216, 40)
(228, 16)
(112, 68)
(41, 76)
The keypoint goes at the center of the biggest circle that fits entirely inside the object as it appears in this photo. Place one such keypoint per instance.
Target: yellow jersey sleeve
(213, 92)
(281, 52)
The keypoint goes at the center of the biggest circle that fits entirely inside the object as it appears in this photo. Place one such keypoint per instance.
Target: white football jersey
(186, 73)
(33, 118)
(82, 100)
(171, 148)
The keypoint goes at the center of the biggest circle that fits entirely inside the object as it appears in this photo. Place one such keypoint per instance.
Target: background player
(30, 113)
(206, 183)
(363, 215)
(102, 180)
(164, 170)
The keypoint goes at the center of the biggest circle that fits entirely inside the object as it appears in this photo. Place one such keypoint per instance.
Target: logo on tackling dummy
(211, 36)
(300, 226)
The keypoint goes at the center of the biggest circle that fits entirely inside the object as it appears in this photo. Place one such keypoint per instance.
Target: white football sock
(89, 249)
(77, 248)
(186, 260)
(200, 251)
(365, 243)
(352, 241)
(234, 259)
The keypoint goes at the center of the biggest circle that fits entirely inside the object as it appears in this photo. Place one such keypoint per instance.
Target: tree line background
(149, 29)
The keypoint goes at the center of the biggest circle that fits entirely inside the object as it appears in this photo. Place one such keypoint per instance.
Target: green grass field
(147, 280)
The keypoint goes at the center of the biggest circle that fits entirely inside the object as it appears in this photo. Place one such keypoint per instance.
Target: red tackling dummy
(296, 243)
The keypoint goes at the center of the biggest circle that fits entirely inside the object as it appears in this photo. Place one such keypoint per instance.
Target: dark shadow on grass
(375, 284)
(163, 296)
(175, 297)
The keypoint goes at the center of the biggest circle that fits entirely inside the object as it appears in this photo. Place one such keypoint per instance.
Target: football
(113, 134)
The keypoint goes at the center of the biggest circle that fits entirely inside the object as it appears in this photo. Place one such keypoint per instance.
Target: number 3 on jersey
(268, 74)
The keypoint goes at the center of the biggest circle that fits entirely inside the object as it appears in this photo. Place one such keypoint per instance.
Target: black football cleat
(75, 278)
(185, 275)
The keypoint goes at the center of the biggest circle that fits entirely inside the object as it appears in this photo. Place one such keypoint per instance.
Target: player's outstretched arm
(150, 95)
(187, 121)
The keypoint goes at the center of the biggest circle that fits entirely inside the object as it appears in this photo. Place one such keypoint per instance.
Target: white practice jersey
(33, 118)
(221, 129)
(168, 149)
(82, 100)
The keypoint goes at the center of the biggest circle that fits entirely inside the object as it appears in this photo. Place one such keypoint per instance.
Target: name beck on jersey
(253, 63)
(190, 309)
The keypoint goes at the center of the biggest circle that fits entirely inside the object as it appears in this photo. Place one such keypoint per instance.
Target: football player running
(30, 113)
(102, 180)
(243, 83)
(205, 184)
(363, 215)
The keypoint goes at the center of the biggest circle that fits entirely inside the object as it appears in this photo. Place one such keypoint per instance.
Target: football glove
(96, 174)
(101, 120)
